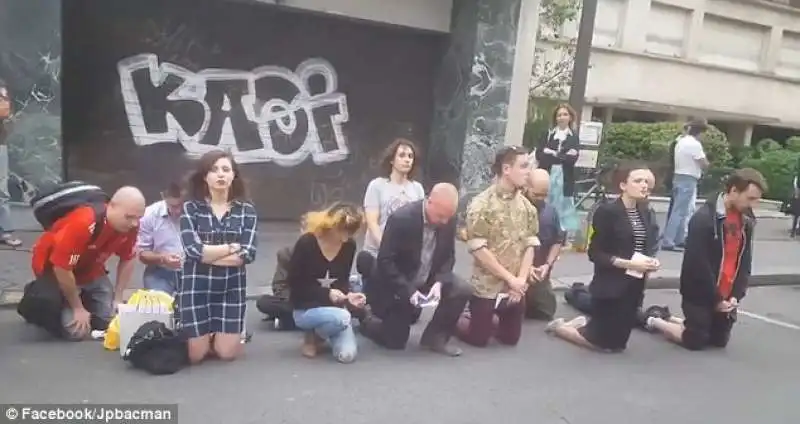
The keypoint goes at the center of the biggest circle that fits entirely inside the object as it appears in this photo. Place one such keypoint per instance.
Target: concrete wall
(30, 63)
(734, 60)
(149, 86)
(431, 15)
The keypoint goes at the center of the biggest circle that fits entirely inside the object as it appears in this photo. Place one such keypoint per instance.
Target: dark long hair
(197, 188)
(391, 151)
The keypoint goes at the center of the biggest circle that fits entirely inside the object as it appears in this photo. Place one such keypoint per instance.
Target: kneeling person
(502, 228)
(318, 276)
(416, 255)
(72, 258)
(716, 265)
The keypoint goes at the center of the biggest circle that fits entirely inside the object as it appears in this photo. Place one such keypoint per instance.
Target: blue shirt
(158, 232)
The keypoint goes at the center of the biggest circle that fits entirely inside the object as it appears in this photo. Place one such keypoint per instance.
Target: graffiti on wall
(237, 110)
(305, 102)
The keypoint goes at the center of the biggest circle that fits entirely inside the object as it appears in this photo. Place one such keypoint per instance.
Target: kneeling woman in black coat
(622, 249)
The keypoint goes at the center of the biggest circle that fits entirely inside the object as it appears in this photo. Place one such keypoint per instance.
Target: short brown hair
(506, 156)
(741, 179)
(390, 152)
(623, 171)
(197, 187)
(173, 190)
(573, 116)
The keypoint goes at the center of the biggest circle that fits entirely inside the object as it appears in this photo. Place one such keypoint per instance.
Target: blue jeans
(162, 279)
(332, 324)
(5, 211)
(684, 196)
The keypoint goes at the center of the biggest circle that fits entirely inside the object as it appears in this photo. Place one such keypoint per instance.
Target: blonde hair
(339, 216)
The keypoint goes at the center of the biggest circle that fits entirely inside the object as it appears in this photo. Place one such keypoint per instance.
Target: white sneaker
(552, 325)
(577, 322)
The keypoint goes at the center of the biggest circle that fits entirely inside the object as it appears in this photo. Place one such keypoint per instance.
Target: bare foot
(309, 349)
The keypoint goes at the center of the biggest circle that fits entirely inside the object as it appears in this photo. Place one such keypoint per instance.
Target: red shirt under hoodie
(734, 237)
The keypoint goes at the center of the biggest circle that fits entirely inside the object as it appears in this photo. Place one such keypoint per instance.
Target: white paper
(131, 318)
(587, 158)
(637, 256)
(499, 299)
(424, 301)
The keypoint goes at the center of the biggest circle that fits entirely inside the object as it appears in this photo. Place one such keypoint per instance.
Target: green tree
(552, 71)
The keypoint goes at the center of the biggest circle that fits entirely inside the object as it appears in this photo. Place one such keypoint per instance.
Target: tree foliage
(555, 48)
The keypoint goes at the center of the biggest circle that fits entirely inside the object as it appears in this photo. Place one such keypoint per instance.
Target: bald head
(125, 209)
(442, 203)
(538, 185)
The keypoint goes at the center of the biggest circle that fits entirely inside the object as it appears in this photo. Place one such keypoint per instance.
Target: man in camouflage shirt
(502, 229)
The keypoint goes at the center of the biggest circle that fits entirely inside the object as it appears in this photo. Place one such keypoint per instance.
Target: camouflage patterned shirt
(505, 223)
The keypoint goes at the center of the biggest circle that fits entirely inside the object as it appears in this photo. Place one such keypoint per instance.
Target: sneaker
(552, 325)
(654, 311)
(577, 322)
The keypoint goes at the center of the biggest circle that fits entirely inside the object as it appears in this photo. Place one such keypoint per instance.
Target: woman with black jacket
(622, 248)
(557, 153)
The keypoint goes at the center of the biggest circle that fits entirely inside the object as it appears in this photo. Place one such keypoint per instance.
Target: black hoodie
(702, 259)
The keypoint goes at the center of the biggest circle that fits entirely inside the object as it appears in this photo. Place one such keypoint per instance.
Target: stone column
(473, 92)
(30, 63)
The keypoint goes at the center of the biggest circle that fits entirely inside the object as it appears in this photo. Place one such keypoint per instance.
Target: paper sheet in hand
(428, 301)
(636, 274)
(499, 299)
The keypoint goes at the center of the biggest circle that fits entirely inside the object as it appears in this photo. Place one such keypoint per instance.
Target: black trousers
(396, 315)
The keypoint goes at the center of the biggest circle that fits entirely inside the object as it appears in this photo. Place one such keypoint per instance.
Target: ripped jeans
(332, 324)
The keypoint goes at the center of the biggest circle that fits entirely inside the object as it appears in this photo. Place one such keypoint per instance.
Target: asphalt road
(543, 380)
(775, 253)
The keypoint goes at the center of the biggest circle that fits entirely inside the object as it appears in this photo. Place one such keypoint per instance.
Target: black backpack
(157, 349)
(54, 203)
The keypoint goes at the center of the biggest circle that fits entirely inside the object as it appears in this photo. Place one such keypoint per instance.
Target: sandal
(9, 240)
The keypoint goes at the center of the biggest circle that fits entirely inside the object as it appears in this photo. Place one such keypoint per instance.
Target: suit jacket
(613, 237)
(400, 250)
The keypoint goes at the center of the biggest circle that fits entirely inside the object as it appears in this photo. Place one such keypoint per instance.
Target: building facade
(736, 62)
(304, 93)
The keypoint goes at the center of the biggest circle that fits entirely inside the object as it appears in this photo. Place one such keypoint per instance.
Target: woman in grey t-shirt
(388, 193)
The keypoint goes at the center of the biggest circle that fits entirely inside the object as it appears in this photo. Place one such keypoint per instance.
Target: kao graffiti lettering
(222, 109)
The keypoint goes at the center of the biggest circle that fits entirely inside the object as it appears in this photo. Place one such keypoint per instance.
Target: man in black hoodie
(716, 265)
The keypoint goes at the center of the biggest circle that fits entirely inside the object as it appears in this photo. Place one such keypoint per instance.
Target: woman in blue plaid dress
(218, 231)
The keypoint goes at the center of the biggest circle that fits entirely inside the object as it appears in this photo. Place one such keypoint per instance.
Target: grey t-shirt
(385, 197)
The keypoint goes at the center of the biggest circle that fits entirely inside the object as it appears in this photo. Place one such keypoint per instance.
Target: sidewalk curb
(10, 298)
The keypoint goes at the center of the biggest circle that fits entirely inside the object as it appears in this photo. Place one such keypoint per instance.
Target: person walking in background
(159, 244)
(557, 153)
(6, 234)
(689, 162)
(218, 232)
(318, 277)
(794, 201)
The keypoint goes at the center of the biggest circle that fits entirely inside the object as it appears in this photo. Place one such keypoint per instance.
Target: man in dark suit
(414, 268)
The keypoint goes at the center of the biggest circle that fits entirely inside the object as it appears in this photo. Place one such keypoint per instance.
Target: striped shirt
(639, 230)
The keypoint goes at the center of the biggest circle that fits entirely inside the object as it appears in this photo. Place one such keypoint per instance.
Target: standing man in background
(689, 162)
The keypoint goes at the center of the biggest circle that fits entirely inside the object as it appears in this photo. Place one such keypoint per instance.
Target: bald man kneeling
(72, 253)
(414, 270)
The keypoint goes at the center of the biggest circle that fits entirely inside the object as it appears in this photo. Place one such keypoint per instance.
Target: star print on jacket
(327, 281)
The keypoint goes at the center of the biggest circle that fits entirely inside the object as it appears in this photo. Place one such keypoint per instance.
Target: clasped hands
(356, 300)
(728, 306)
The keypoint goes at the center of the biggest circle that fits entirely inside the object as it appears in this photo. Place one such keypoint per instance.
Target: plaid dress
(211, 299)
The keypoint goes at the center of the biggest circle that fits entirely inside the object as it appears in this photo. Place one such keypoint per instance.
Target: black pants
(396, 315)
(613, 319)
(540, 301)
(705, 327)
